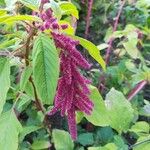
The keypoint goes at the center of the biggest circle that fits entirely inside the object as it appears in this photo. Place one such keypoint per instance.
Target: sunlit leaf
(62, 140)
(9, 129)
(45, 68)
(4, 80)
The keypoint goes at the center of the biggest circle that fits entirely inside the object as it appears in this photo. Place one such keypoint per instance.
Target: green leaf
(2, 11)
(23, 102)
(12, 19)
(143, 143)
(25, 77)
(99, 116)
(40, 144)
(62, 140)
(105, 134)
(9, 129)
(7, 43)
(69, 9)
(109, 146)
(92, 49)
(140, 127)
(32, 4)
(27, 130)
(45, 68)
(4, 80)
(86, 139)
(119, 110)
(79, 116)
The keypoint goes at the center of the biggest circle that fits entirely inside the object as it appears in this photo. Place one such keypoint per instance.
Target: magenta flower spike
(72, 92)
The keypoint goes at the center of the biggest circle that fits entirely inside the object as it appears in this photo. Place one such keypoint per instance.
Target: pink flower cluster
(49, 22)
(72, 93)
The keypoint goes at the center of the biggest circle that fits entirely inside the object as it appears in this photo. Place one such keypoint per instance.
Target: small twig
(37, 101)
(27, 46)
(136, 90)
(90, 4)
(110, 42)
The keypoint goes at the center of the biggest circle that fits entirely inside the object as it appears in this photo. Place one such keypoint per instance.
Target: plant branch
(110, 42)
(37, 101)
(90, 4)
(136, 90)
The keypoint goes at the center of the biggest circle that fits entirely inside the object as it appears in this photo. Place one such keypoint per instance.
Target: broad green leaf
(45, 68)
(40, 144)
(9, 129)
(119, 110)
(86, 139)
(69, 9)
(140, 127)
(92, 49)
(62, 140)
(25, 77)
(7, 44)
(99, 116)
(4, 80)
(12, 19)
(143, 143)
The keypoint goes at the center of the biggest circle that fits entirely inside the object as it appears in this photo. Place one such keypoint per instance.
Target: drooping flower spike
(72, 92)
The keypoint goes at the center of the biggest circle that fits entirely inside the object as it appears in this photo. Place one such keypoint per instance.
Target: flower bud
(64, 26)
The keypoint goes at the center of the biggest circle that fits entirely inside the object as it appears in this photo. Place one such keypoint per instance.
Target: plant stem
(110, 42)
(102, 82)
(37, 101)
(90, 4)
(136, 90)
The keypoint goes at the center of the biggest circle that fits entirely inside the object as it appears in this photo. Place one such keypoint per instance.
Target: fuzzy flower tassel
(72, 93)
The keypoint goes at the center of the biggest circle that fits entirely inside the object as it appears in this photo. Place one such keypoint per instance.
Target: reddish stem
(136, 90)
(90, 4)
(110, 42)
